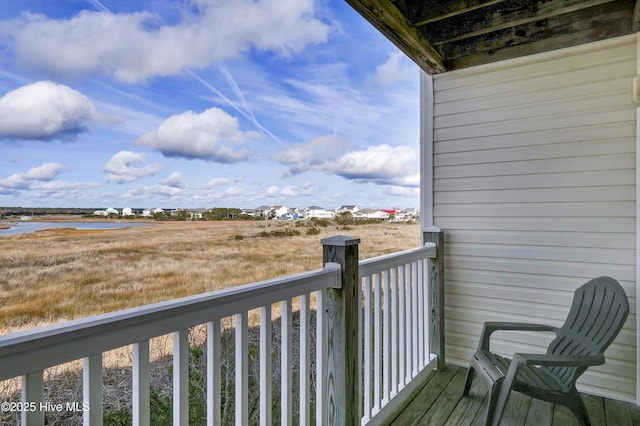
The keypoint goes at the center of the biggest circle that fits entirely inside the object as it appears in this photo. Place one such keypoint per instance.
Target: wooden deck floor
(440, 402)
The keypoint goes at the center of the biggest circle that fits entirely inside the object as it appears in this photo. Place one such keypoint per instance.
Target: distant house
(111, 211)
(318, 212)
(279, 212)
(412, 211)
(100, 213)
(196, 214)
(127, 212)
(367, 214)
(151, 212)
(263, 211)
(347, 209)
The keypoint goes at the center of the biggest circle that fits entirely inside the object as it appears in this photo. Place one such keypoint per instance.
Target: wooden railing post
(436, 295)
(342, 374)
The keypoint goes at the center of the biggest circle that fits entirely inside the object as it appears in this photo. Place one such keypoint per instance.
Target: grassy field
(55, 275)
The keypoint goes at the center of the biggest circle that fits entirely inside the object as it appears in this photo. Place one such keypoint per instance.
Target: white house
(318, 212)
(127, 211)
(347, 209)
(411, 211)
(263, 211)
(151, 212)
(370, 214)
(279, 211)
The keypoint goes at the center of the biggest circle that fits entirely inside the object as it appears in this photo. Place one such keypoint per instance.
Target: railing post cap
(431, 229)
(340, 240)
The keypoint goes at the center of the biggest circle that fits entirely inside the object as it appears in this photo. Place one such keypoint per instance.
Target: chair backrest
(598, 312)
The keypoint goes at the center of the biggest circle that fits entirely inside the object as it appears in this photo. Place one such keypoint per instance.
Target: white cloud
(43, 173)
(134, 47)
(381, 164)
(403, 191)
(274, 191)
(212, 135)
(45, 111)
(174, 180)
(153, 192)
(397, 68)
(119, 168)
(312, 155)
(234, 191)
(215, 182)
(46, 171)
(13, 182)
(64, 187)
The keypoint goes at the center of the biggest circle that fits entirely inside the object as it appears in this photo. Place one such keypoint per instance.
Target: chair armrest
(490, 327)
(558, 360)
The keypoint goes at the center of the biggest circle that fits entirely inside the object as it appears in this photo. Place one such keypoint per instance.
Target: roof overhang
(444, 35)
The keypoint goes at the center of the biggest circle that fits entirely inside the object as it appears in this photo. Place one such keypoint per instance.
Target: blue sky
(203, 103)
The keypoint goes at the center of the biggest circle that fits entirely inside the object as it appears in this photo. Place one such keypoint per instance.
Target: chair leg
(503, 393)
(494, 392)
(576, 405)
(467, 385)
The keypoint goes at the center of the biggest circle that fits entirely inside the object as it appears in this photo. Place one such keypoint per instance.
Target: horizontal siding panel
(618, 50)
(617, 81)
(558, 151)
(584, 270)
(543, 296)
(539, 110)
(587, 193)
(549, 180)
(559, 209)
(543, 239)
(512, 127)
(509, 343)
(576, 163)
(557, 254)
(560, 224)
(603, 132)
(619, 387)
(621, 350)
(514, 281)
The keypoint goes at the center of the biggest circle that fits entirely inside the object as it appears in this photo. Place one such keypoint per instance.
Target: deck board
(426, 398)
(468, 408)
(562, 416)
(540, 413)
(595, 407)
(448, 399)
(440, 403)
(617, 413)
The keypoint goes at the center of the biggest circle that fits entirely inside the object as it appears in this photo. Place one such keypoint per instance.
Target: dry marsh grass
(52, 276)
(56, 275)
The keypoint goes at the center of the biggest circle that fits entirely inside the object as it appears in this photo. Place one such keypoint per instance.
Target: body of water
(31, 226)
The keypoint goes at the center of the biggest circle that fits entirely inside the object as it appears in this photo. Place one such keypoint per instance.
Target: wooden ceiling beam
(424, 12)
(636, 17)
(386, 17)
(562, 31)
(477, 24)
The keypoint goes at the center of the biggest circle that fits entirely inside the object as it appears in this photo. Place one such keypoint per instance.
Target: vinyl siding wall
(534, 184)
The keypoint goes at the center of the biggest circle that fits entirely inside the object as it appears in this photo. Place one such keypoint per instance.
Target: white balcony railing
(393, 329)
(395, 325)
